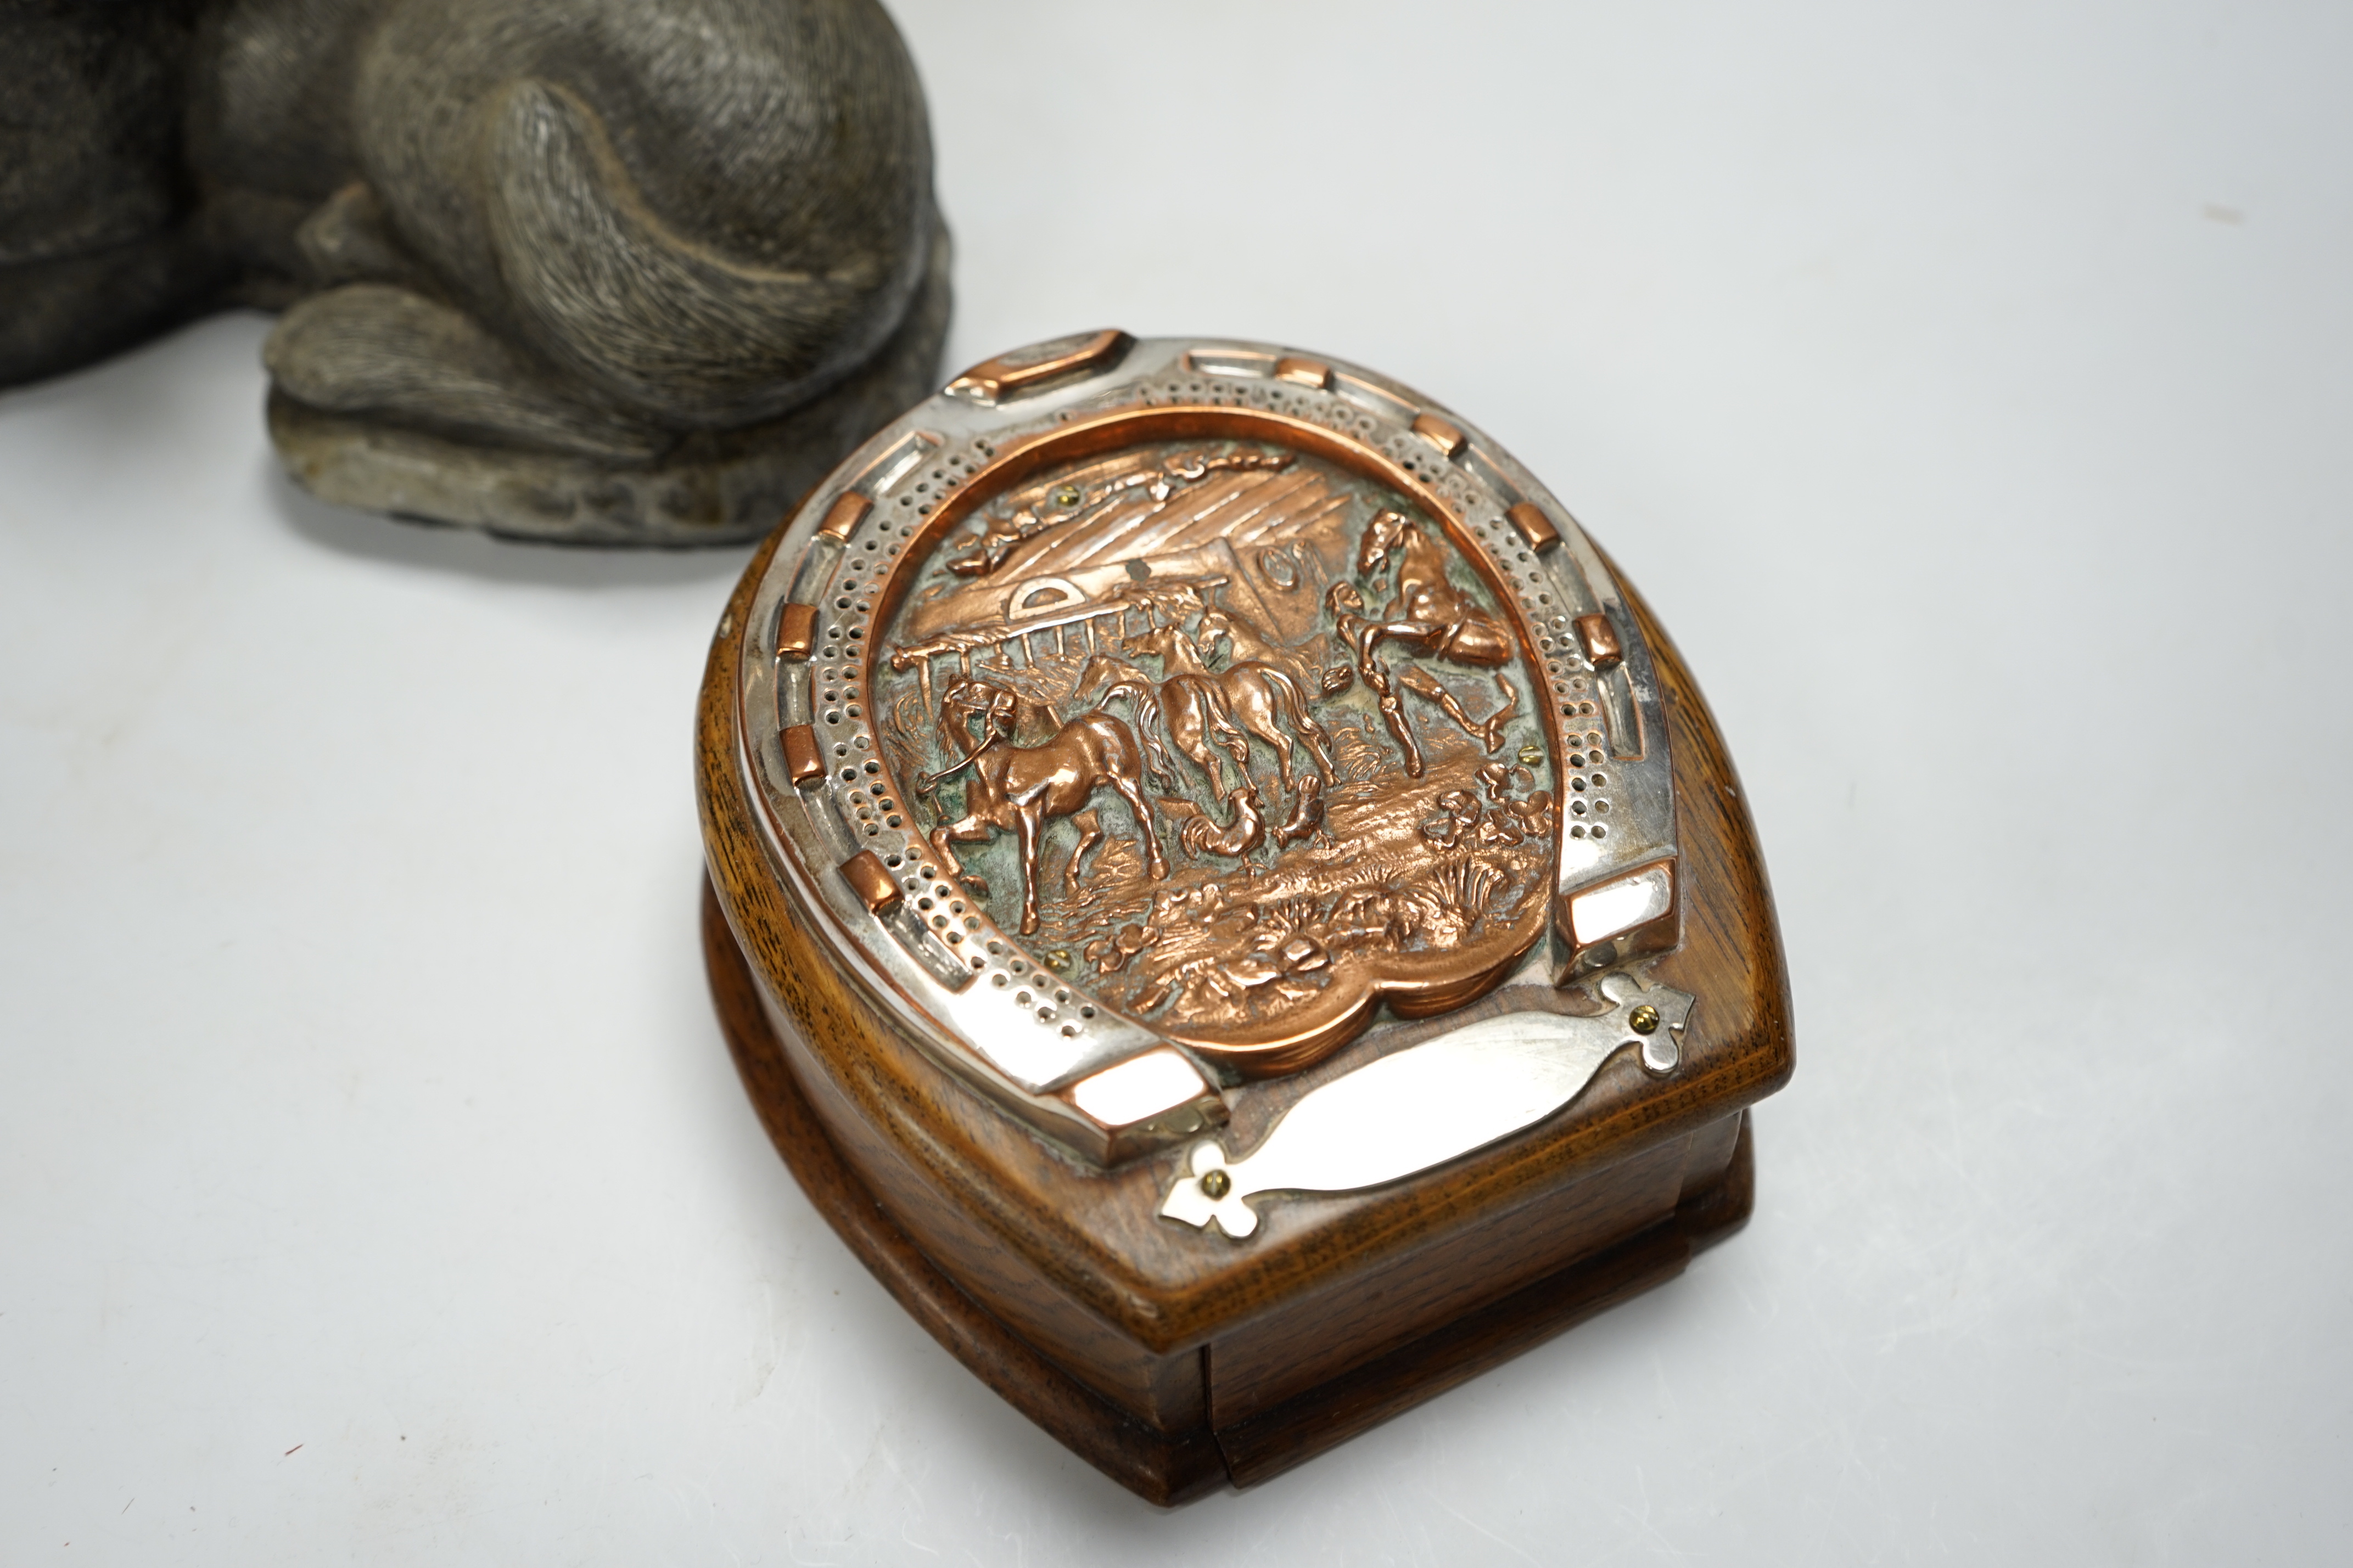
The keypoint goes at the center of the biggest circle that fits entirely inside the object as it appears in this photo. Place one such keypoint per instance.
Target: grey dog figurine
(603, 271)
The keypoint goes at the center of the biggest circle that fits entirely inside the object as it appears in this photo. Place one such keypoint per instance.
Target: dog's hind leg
(382, 352)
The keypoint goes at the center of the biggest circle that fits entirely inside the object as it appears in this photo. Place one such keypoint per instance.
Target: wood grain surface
(1164, 1468)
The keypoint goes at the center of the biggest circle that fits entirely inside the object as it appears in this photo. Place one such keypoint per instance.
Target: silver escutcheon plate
(1431, 1103)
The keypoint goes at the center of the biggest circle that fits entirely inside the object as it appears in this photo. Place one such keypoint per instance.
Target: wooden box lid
(1226, 898)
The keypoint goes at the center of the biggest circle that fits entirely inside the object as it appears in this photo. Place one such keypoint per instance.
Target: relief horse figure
(1194, 711)
(1308, 662)
(1429, 616)
(1228, 706)
(1016, 789)
(1253, 693)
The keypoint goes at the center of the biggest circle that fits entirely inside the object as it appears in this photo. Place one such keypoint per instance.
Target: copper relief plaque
(1154, 718)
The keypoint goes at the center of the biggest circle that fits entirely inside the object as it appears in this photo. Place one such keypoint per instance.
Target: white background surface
(1970, 391)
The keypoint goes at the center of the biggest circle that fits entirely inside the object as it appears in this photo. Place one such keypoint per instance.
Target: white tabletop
(1972, 395)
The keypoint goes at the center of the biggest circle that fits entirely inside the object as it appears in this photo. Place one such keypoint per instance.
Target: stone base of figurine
(715, 488)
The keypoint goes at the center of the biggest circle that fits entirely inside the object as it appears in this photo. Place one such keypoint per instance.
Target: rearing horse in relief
(1430, 617)
(1016, 789)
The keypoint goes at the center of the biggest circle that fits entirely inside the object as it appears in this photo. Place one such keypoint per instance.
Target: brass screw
(1069, 495)
(1644, 1019)
(1531, 755)
(1216, 1185)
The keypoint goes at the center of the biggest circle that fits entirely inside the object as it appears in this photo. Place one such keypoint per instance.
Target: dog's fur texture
(615, 271)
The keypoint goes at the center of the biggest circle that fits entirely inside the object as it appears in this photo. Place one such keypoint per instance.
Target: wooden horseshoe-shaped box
(1227, 900)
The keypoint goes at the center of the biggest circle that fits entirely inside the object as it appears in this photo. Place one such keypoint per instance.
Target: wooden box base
(1164, 1468)
(1175, 1356)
